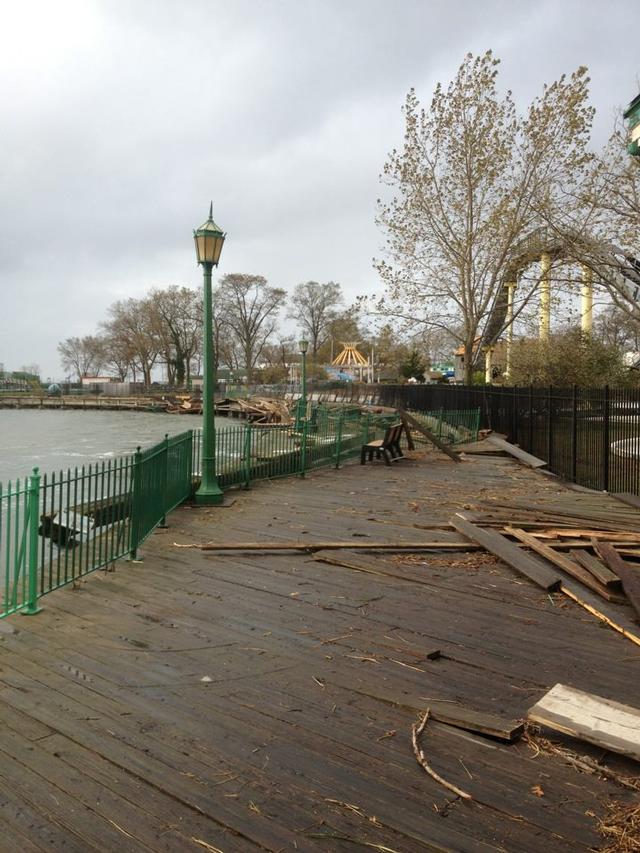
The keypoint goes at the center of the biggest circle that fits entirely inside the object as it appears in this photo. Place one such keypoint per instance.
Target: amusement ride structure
(545, 246)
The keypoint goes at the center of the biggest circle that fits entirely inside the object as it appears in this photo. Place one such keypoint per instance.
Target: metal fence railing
(589, 436)
(56, 528)
(250, 452)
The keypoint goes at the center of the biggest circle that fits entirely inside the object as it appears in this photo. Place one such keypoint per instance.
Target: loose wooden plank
(566, 564)
(607, 535)
(415, 424)
(451, 713)
(334, 546)
(597, 568)
(496, 544)
(407, 431)
(629, 576)
(627, 498)
(512, 450)
(600, 721)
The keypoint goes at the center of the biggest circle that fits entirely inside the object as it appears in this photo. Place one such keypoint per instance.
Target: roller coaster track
(623, 273)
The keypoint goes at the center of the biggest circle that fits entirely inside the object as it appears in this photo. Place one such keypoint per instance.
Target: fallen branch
(416, 731)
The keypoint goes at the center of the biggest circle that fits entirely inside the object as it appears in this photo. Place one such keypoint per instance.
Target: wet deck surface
(264, 701)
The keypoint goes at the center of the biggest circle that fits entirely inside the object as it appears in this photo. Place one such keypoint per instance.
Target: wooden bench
(387, 447)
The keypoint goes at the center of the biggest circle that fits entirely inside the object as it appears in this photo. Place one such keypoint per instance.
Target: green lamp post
(303, 346)
(632, 115)
(209, 240)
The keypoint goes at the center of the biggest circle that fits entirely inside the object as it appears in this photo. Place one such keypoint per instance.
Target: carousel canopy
(349, 357)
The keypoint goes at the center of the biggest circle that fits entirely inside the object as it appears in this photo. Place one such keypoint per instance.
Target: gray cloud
(120, 120)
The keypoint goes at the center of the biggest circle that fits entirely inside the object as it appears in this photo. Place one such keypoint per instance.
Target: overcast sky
(121, 119)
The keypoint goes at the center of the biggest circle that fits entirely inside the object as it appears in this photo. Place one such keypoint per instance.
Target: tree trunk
(468, 362)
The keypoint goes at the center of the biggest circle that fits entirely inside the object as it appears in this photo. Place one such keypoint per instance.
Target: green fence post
(247, 456)
(165, 481)
(134, 518)
(303, 450)
(32, 557)
(365, 428)
(189, 471)
(339, 438)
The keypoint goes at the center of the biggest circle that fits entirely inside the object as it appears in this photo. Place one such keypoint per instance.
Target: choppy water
(55, 440)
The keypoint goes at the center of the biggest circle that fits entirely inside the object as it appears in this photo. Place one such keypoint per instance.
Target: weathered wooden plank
(629, 576)
(597, 568)
(513, 450)
(337, 546)
(415, 424)
(627, 498)
(600, 721)
(495, 543)
(566, 564)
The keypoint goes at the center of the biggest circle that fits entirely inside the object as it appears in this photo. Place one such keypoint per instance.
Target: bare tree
(82, 356)
(315, 306)
(249, 308)
(468, 186)
(601, 228)
(132, 326)
(178, 315)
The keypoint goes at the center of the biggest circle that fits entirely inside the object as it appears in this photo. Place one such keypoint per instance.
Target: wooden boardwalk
(237, 702)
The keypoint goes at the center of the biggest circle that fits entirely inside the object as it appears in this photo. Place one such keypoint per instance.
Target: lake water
(55, 439)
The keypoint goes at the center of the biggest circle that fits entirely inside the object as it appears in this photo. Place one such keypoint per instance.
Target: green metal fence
(247, 453)
(452, 426)
(56, 528)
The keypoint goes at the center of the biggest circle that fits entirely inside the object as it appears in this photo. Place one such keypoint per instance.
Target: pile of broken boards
(591, 539)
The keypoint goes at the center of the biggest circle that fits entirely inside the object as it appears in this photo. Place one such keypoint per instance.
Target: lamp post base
(209, 494)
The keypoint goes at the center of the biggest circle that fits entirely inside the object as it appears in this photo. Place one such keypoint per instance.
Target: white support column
(545, 297)
(511, 286)
(586, 314)
(487, 365)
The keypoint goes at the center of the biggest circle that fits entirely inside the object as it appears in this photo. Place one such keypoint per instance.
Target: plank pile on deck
(555, 543)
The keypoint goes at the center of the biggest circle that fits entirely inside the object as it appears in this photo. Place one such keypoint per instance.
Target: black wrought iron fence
(590, 436)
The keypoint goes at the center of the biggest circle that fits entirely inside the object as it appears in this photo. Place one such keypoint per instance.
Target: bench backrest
(392, 435)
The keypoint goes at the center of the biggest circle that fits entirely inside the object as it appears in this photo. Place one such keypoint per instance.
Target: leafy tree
(345, 327)
(618, 328)
(467, 186)
(249, 309)
(413, 366)
(569, 358)
(601, 229)
(315, 306)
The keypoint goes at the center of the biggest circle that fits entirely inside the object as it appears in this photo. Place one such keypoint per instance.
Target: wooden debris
(418, 427)
(476, 721)
(621, 826)
(601, 616)
(416, 731)
(517, 452)
(525, 564)
(566, 564)
(584, 763)
(597, 568)
(629, 576)
(334, 546)
(599, 721)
